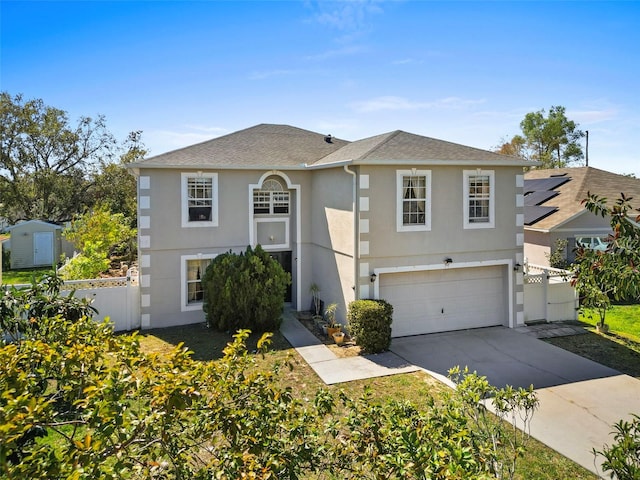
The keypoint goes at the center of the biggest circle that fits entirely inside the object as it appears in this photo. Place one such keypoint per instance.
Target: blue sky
(467, 72)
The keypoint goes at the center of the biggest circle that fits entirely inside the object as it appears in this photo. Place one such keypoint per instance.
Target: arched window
(271, 198)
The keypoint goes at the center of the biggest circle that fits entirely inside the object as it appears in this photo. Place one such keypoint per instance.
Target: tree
(514, 147)
(45, 160)
(113, 185)
(552, 140)
(244, 291)
(612, 274)
(98, 234)
(110, 410)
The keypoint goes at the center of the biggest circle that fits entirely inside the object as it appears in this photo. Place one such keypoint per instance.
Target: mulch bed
(347, 349)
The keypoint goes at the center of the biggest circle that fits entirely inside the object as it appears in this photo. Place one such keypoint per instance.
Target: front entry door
(284, 259)
(43, 248)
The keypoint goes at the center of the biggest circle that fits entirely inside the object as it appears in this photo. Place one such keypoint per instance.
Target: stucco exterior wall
(536, 247)
(332, 238)
(163, 241)
(382, 246)
(447, 235)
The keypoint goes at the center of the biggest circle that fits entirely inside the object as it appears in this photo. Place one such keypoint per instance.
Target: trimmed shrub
(244, 291)
(370, 324)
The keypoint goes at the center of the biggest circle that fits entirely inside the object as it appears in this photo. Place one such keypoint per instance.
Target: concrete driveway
(580, 400)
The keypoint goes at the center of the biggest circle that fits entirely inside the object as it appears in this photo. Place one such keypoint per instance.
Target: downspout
(356, 235)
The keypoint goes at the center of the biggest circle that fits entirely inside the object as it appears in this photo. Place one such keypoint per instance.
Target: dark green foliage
(622, 458)
(245, 290)
(557, 258)
(370, 324)
(22, 309)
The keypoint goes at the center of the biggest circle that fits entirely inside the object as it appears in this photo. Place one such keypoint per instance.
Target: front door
(43, 248)
(284, 259)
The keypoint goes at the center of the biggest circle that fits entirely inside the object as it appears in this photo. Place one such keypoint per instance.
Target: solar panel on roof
(544, 184)
(536, 213)
(536, 198)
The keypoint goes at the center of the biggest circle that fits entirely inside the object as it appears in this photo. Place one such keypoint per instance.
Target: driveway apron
(580, 400)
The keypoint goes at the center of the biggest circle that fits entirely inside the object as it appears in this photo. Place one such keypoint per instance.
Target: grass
(15, 277)
(622, 319)
(618, 349)
(540, 463)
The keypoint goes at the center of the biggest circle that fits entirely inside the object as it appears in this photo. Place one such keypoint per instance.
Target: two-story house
(433, 227)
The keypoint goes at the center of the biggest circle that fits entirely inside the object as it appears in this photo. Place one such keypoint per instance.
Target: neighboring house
(433, 227)
(554, 209)
(35, 243)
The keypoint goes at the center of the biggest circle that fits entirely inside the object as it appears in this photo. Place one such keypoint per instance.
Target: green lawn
(622, 319)
(14, 277)
(540, 463)
(618, 349)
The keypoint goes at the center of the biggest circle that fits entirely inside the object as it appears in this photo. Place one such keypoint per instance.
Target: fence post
(545, 294)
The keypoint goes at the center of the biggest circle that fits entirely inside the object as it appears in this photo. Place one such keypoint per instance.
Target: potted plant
(330, 318)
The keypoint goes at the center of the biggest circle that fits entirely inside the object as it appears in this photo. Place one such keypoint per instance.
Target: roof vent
(328, 138)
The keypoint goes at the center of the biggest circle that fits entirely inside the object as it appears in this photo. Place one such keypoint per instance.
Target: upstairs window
(413, 200)
(479, 199)
(271, 199)
(199, 200)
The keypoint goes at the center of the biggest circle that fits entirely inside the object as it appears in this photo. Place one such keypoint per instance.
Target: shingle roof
(265, 145)
(570, 194)
(403, 147)
(283, 146)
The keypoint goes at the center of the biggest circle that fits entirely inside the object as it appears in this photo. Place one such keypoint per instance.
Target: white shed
(35, 243)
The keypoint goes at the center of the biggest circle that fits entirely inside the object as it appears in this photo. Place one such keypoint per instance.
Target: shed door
(442, 300)
(43, 248)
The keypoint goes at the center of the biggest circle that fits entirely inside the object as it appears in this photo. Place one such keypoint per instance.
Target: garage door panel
(442, 300)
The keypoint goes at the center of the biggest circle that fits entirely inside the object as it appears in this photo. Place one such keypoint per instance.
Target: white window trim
(400, 227)
(185, 204)
(492, 193)
(184, 305)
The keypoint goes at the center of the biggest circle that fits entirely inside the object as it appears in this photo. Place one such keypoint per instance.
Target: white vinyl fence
(548, 295)
(117, 298)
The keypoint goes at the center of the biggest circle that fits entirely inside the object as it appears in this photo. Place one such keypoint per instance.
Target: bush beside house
(370, 324)
(245, 290)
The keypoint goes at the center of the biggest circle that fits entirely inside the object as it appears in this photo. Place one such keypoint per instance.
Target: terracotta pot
(331, 331)
(338, 337)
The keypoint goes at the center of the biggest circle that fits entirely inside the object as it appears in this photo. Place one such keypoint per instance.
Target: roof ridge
(389, 135)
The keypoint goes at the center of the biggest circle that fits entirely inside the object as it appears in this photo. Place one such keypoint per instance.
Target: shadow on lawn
(206, 343)
(611, 350)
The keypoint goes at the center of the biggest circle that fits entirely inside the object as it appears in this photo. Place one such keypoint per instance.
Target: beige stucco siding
(447, 234)
(331, 252)
(392, 250)
(163, 241)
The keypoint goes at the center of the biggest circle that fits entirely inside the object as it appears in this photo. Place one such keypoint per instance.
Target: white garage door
(442, 300)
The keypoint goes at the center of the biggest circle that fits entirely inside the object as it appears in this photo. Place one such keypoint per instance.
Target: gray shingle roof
(265, 145)
(403, 147)
(286, 147)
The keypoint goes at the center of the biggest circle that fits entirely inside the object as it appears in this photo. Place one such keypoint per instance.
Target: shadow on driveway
(503, 355)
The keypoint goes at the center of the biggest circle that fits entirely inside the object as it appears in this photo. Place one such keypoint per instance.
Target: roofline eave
(140, 166)
(437, 162)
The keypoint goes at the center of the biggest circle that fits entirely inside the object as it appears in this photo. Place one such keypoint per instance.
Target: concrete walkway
(332, 369)
(580, 400)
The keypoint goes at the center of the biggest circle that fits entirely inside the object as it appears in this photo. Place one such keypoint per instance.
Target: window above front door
(271, 199)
